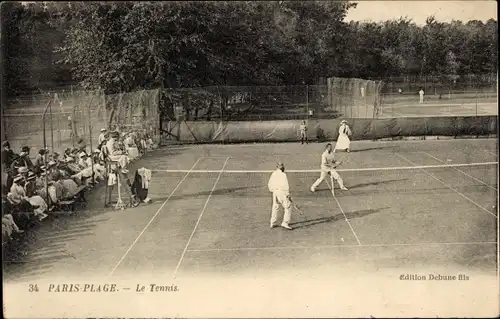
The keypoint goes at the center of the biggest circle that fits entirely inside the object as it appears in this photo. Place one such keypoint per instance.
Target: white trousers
(324, 174)
(281, 199)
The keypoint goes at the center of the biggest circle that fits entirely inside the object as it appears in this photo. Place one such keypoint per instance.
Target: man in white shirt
(278, 185)
(102, 136)
(328, 165)
(421, 93)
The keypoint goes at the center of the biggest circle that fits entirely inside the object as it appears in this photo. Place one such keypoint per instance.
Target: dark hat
(25, 149)
(6, 144)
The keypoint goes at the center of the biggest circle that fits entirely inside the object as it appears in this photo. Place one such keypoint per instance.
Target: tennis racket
(294, 205)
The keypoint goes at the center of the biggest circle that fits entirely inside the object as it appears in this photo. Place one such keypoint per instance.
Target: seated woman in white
(18, 195)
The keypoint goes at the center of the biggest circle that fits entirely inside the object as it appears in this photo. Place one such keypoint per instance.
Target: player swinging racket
(328, 165)
(278, 185)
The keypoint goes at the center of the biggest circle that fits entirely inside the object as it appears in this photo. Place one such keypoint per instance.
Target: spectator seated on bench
(31, 192)
(9, 226)
(19, 197)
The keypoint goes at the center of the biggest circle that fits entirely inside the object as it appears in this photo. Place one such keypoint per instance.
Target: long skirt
(70, 188)
(40, 202)
(343, 142)
(137, 189)
(133, 153)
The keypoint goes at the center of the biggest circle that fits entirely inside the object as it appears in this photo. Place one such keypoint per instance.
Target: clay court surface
(410, 203)
(413, 207)
(439, 107)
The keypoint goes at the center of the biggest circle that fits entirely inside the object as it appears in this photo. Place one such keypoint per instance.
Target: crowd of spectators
(33, 188)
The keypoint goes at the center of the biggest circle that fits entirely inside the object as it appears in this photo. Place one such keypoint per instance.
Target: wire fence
(75, 114)
(78, 117)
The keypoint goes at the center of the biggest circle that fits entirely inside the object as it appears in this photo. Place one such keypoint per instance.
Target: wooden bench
(80, 194)
(64, 207)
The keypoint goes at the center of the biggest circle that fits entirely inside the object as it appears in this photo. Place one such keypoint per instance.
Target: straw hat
(70, 159)
(103, 130)
(343, 122)
(18, 178)
(51, 164)
(22, 170)
(31, 176)
(82, 154)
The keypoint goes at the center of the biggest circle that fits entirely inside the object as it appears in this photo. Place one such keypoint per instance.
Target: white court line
(342, 246)
(476, 179)
(199, 218)
(152, 218)
(467, 198)
(343, 213)
(366, 169)
(472, 104)
(490, 152)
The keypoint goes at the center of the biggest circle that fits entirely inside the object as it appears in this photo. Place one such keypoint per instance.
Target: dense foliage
(122, 46)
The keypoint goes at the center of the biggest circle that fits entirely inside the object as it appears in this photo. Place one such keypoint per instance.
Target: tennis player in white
(328, 165)
(278, 185)
(343, 142)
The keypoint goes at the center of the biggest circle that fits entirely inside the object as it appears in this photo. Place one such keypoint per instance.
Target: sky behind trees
(418, 11)
(122, 46)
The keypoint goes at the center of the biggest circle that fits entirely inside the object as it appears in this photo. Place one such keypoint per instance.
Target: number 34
(33, 288)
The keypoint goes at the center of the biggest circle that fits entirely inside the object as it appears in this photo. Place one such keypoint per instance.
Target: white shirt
(344, 129)
(110, 145)
(278, 182)
(82, 163)
(101, 138)
(421, 92)
(303, 127)
(327, 160)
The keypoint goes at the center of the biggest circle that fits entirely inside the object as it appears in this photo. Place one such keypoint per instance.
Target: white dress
(343, 141)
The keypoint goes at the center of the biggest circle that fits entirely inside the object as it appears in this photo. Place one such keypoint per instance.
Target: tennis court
(433, 108)
(410, 202)
(413, 207)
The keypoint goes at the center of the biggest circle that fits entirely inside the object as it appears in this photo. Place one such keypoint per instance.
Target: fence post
(476, 102)
(90, 139)
(45, 147)
(307, 103)
(51, 127)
